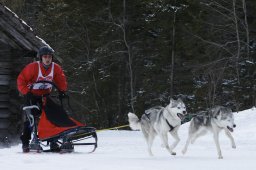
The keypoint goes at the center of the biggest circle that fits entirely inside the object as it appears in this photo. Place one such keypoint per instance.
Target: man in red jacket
(43, 70)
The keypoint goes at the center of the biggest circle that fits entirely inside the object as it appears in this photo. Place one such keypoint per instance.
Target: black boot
(25, 143)
(25, 148)
(66, 147)
(54, 147)
(25, 137)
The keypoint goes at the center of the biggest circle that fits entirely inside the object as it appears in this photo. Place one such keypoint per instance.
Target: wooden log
(5, 113)
(4, 133)
(4, 89)
(4, 104)
(5, 67)
(4, 97)
(5, 79)
(5, 64)
(4, 123)
(5, 71)
(8, 40)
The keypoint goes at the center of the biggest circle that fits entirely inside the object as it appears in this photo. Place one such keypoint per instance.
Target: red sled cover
(54, 120)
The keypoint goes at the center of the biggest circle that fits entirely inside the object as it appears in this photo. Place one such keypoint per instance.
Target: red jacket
(29, 75)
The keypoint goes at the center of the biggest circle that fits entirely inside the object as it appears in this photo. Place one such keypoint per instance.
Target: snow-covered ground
(126, 150)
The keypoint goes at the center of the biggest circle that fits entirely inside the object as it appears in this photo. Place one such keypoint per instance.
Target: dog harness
(161, 112)
(40, 77)
(171, 127)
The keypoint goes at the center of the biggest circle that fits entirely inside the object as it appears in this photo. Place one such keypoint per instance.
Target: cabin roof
(16, 34)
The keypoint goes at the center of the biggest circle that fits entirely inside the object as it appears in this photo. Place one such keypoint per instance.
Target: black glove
(28, 97)
(62, 95)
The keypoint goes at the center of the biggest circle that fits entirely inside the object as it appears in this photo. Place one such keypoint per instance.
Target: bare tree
(214, 79)
(238, 40)
(96, 95)
(122, 26)
(129, 52)
(173, 49)
(229, 36)
(246, 30)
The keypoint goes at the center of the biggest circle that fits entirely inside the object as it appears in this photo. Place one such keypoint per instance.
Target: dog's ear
(230, 110)
(179, 100)
(217, 115)
(171, 100)
(210, 112)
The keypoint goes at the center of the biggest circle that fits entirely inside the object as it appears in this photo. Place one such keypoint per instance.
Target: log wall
(18, 47)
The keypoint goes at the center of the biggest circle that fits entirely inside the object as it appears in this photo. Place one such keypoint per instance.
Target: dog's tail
(134, 121)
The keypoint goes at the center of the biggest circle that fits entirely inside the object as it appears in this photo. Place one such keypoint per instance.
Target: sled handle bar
(30, 117)
(45, 81)
(54, 85)
(30, 107)
(49, 82)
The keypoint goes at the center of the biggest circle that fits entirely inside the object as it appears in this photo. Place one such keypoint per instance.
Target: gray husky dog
(213, 120)
(159, 121)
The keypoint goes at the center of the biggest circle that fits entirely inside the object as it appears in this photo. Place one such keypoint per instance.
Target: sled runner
(55, 127)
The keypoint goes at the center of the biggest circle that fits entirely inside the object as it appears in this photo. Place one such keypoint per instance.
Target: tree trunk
(238, 40)
(173, 51)
(246, 30)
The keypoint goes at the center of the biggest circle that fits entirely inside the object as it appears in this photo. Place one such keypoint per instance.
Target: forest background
(130, 55)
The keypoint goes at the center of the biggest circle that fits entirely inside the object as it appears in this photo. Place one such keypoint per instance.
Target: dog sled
(55, 126)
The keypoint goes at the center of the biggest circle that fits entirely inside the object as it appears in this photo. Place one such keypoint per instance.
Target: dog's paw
(150, 153)
(234, 146)
(220, 157)
(183, 151)
(173, 153)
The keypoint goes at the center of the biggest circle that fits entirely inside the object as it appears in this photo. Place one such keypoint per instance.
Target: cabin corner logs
(11, 63)
(8, 109)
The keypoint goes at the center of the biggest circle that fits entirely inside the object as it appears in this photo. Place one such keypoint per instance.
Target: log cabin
(18, 46)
